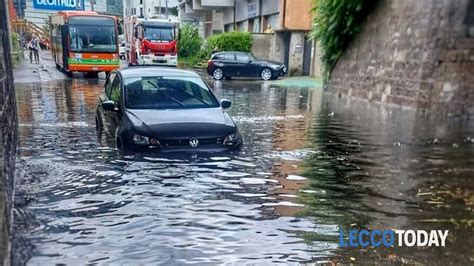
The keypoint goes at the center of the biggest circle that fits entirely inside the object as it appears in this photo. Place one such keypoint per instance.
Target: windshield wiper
(166, 95)
(195, 97)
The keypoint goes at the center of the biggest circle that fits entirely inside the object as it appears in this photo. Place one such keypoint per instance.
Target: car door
(105, 97)
(112, 118)
(244, 65)
(228, 60)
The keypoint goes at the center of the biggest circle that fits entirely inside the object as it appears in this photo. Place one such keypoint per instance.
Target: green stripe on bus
(93, 61)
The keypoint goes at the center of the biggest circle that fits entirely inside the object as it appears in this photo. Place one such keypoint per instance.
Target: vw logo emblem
(193, 142)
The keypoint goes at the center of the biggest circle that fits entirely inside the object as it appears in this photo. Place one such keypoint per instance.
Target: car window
(167, 93)
(115, 91)
(108, 84)
(243, 57)
(229, 57)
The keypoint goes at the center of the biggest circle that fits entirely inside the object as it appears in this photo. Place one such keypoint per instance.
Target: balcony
(212, 4)
(217, 3)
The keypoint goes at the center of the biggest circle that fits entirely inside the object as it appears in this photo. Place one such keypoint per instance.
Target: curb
(43, 65)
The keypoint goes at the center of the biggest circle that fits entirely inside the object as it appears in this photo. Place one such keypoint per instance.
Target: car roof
(231, 52)
(150, 71)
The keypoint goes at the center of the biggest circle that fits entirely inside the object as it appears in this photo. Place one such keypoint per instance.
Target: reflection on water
(309, 167)
(391, 170)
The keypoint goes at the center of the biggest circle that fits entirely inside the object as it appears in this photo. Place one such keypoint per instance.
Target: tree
(190, 42)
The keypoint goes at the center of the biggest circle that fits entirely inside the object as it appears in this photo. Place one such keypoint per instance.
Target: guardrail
(23, 26)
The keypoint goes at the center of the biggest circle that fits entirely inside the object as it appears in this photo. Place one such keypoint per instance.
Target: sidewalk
(31, 72)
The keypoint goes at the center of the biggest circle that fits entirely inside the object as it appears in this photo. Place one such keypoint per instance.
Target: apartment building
(252, 15)
(207, 15)
(289, 22)
(151, 8)
(279, 27)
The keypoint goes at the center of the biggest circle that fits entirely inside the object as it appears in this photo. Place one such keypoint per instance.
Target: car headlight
(231, 139)
(275, 66)
(140, 140)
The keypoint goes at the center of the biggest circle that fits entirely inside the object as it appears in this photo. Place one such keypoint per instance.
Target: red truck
(151, 41)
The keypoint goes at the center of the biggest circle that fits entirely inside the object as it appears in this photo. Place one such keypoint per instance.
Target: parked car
(122, 50)
(240, 64)
(164, 109)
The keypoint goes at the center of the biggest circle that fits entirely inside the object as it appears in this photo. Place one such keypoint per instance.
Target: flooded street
(310, 166)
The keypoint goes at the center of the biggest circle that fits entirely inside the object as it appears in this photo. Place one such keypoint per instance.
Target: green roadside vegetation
(193, 50)
(16, 49)
(335, 24)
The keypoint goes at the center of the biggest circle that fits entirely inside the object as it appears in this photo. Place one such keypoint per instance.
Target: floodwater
(311, 166)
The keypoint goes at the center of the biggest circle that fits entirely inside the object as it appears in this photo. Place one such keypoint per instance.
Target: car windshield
(167, 93)
(163, 34)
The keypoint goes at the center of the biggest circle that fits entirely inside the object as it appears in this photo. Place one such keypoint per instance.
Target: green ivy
(335, 24)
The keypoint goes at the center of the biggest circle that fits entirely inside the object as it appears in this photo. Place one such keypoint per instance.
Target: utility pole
(166, 10)
(159, 8)
(235, 25)
(20, 9)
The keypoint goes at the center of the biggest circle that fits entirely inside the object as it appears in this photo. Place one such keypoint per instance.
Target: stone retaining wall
(413, 53)
(8, 137)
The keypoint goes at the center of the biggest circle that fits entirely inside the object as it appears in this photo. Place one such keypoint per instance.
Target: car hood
(182, 123)
(269, 62)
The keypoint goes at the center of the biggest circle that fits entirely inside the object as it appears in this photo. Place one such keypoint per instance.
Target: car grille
(185, 142)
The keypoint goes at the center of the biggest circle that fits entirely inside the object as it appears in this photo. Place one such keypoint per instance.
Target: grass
(188, 62)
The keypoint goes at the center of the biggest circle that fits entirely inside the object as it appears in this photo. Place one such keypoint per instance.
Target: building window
(242, 26)
(273, 21)
(250, 25)
(229, 27)
(256, 25)
(141, 11)
(141, 2)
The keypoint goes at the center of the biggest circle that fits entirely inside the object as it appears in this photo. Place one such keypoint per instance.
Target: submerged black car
(165, 109)
(240, 64)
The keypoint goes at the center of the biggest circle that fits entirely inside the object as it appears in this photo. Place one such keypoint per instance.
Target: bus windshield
(160, 34)
(90, 34)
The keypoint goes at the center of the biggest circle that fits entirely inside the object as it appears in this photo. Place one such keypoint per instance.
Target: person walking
(34, 47)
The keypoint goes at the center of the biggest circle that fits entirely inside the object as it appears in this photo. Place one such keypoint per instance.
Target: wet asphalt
(311, 165)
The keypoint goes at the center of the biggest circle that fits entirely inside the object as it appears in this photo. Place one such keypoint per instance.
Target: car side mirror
(225, 103)
(108, 105)
(250, 61)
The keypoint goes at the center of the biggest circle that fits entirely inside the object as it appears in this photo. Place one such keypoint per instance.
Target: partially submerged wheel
(218, 74)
